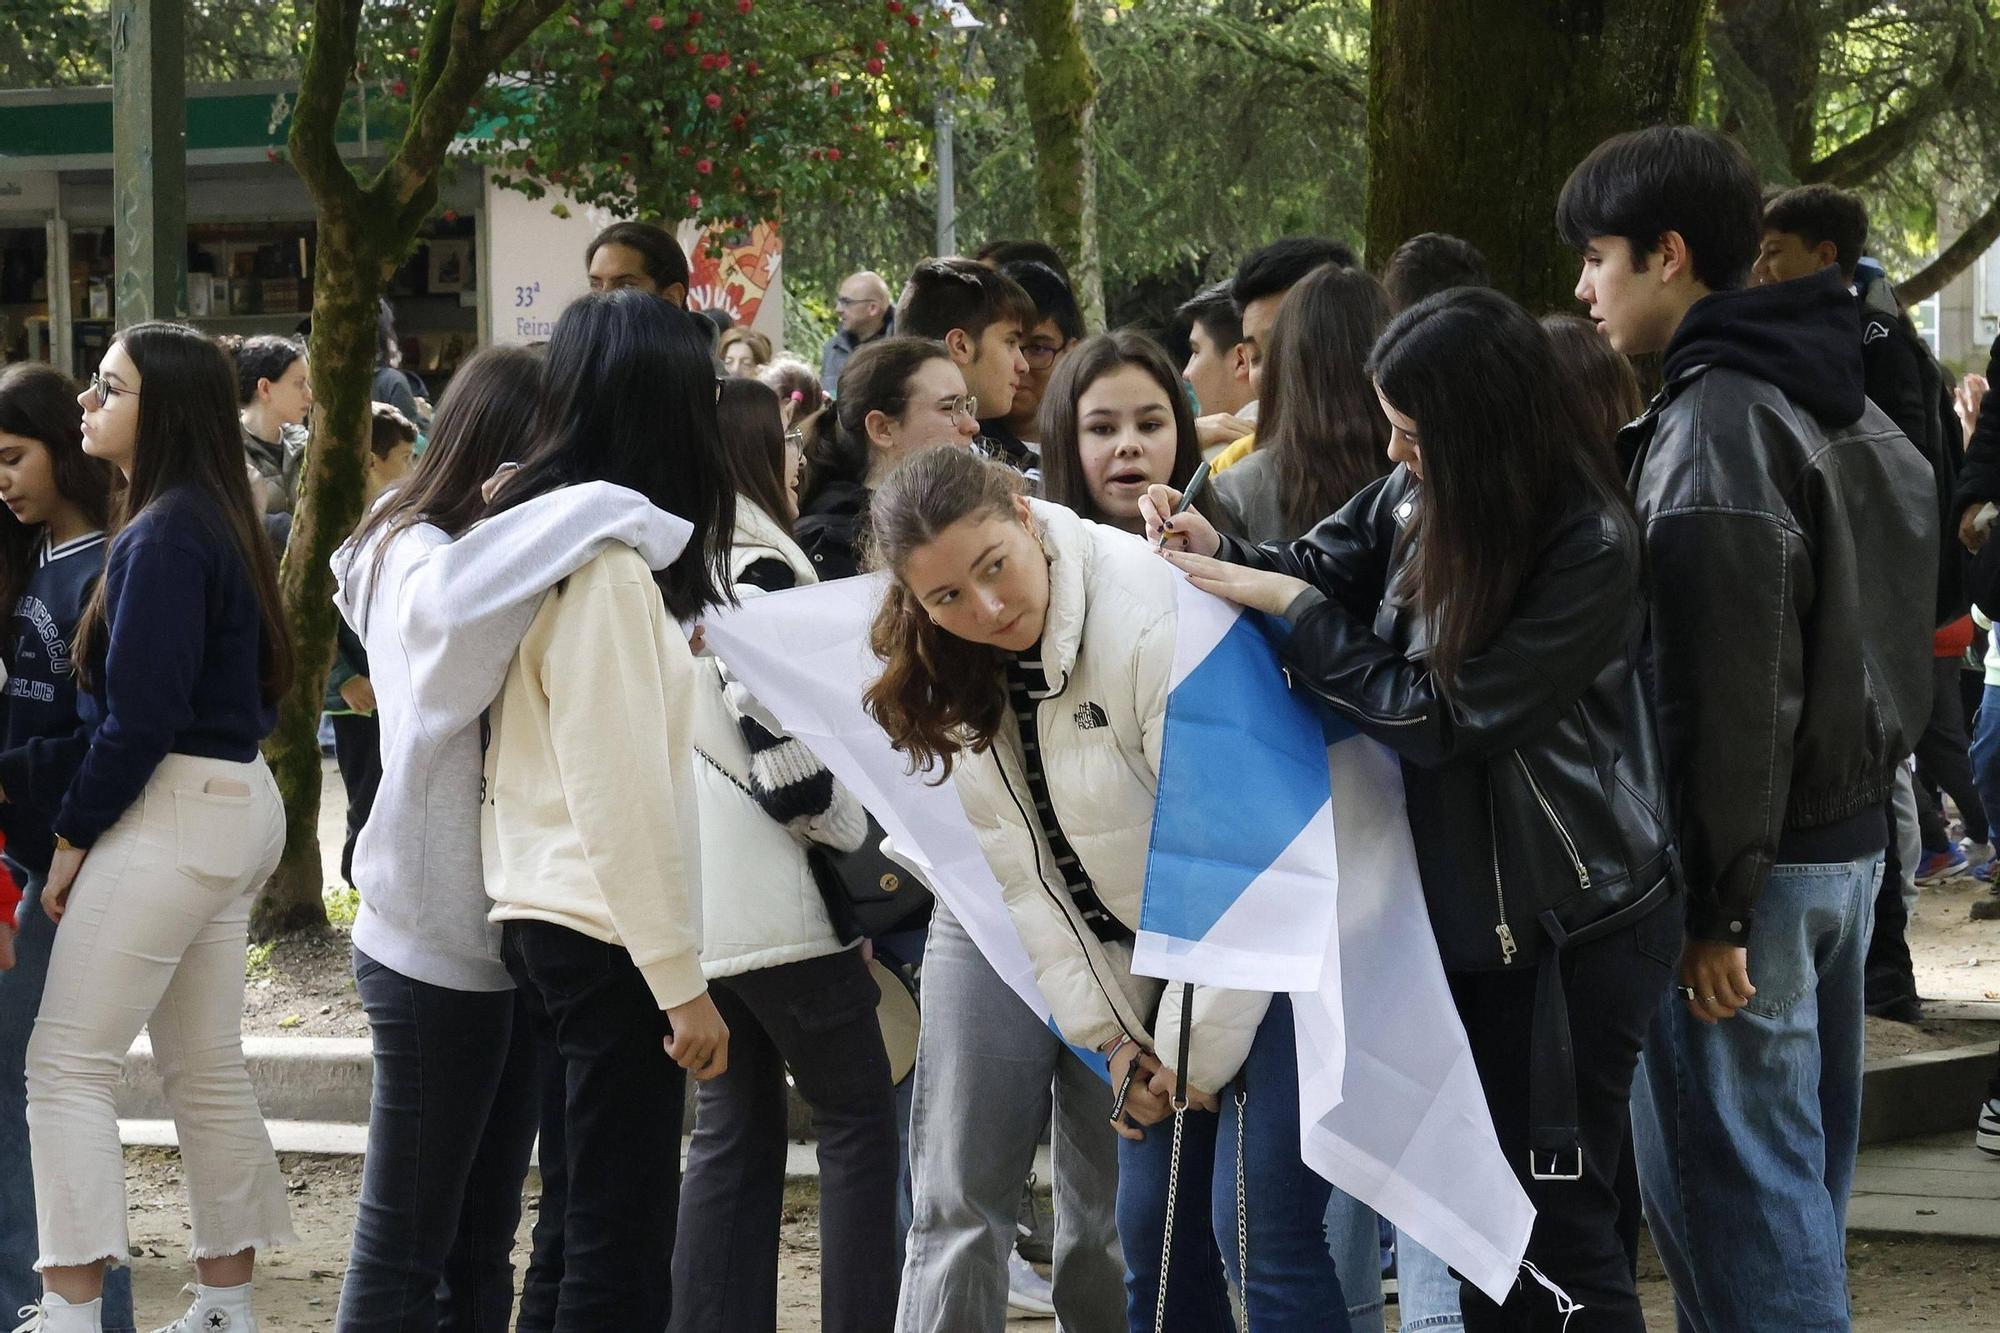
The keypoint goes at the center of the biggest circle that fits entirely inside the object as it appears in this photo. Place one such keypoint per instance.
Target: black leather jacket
(1536, 785)
(1792, 542)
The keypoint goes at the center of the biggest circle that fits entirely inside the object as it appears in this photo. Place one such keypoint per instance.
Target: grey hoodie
(441, 621)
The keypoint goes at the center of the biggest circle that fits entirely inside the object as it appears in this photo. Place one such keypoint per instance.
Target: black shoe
(1905, 1008)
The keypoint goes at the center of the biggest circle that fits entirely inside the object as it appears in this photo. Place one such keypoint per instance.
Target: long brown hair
(485, 418)
(1063, 479)
(938, 695)
(1318, 417)
(753, 444)
(188, 435)
(38, 402)
(1504, 459)
(1603, 387)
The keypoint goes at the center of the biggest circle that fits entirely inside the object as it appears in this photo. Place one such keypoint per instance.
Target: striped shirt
(1027, 685)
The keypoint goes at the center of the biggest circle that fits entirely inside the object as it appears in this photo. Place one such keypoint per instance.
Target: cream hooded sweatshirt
(589, 817)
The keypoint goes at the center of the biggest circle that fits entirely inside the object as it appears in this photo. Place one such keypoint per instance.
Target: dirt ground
(1899, 1285)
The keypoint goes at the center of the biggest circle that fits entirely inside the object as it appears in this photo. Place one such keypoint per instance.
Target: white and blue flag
(1281, 860)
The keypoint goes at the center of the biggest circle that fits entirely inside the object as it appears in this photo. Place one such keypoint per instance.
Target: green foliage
(343, 904)
(721, 109)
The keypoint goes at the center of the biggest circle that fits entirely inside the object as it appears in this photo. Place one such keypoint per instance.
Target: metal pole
(947, 181)
(149, 158)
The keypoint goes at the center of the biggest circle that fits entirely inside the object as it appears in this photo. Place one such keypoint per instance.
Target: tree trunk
(1059, 85)
(1776, 113)
(1478, 111)
(347, 283)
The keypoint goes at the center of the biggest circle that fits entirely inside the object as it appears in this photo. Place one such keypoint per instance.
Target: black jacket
(1979, 479)
(1791, 535)
(1536, 785)
(1904, 380)
(829, 530)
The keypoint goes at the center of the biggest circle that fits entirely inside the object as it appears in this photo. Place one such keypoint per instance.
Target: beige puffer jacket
(1108, 649)
(760, 904)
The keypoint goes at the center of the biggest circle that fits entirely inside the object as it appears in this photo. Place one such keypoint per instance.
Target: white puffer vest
(760, 904)
(1108, 649)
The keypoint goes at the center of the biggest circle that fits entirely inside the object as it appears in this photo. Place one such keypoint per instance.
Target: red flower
(737, 122)
(708, 62)
(743, 6)
(624, 159)
(686, 151)
(814, 155)
(694, 18)
(399, 88)
(694, 202)
(412, 53)
(722, 61)
(895, 6)
(833, 89)
(881, 48)
(656, 23)
(913, 20)
(451, 215)
(874, 67)
(750, 68)
(704, 166)
(691, 46)
(833, 155)
(712, 101)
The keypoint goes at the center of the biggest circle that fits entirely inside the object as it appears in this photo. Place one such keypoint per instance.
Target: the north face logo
(1089, 717)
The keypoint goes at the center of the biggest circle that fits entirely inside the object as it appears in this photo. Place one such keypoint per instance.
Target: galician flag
(1281, 861)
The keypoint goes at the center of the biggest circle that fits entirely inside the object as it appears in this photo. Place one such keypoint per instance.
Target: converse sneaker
(1977, 854)
(55, 1315)
(1987, 1137)
(215, 1310)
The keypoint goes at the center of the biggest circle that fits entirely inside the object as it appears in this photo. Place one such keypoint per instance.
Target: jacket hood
(1803, 337)
(1066, 540)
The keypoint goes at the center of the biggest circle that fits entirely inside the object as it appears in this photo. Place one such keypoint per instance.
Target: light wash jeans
(1746, 1130)
(154, 937)
(20, 997)
(988, 1075)
(1426, 1292)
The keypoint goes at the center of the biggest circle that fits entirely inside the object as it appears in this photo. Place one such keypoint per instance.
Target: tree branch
(1954, 259)
(314, 139)
(1857, 162)
(1244, 39)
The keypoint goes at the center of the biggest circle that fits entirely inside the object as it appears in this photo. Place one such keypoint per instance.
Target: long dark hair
(876, 378)
(938, 694)
(1318, 417)
(1063, 479)
(629, 397)
(38, 402)
(485, 418)
(1504, 457)
(1603, 387)
(753, 441)
(188, 435)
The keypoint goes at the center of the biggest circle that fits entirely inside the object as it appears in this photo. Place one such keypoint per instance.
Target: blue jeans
(1292, 1285)
(451, 1120)
(1746, 1130)
(1426, 1292)
(20, 997)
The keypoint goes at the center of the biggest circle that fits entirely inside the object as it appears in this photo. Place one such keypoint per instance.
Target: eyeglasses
(966, 406)
(1040, 354)
(103, 389)
(843, 302)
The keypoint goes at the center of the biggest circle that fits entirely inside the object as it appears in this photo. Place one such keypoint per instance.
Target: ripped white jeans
(154, 937)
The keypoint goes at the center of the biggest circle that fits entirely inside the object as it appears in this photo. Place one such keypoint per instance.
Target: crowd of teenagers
(1655, 673)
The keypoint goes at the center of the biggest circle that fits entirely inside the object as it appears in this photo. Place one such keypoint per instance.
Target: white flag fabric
(1306, 882)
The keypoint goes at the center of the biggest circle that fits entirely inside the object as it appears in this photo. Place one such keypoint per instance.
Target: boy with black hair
(981, 317)
(639, 254)
(1429, 263)
(1259, 288)
(1058, 327)
(1792, 545)
(1218, 367)
(997, 255)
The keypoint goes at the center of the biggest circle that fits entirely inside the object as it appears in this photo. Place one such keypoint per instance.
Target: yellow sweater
(1233, 455)
(589, 821)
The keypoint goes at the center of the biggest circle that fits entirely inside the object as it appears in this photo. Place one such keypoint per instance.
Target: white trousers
(154, 937)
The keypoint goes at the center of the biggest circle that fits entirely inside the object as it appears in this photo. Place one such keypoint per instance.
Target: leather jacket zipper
(1506, 932)
(1342, 705)
(1569, 843)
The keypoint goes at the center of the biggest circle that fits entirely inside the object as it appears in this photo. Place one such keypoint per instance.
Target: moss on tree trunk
(1479, 109)
(1059, 85)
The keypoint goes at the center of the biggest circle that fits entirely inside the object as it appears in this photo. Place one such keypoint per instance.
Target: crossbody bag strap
(1174, 1159)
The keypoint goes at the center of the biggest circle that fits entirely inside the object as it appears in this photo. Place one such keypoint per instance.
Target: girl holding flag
(1027, 653)
(1479, 611)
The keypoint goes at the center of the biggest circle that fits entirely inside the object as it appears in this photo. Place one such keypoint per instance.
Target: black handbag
(865, 892)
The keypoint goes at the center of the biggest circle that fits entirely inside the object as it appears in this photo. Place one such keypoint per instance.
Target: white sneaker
(1028, 1292)
(55, 1315)
(1987, 1137)
(213, 1312)
(1977, 854)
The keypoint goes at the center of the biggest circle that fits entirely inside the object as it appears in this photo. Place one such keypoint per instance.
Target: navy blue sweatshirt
(40, 743)
(180, 671)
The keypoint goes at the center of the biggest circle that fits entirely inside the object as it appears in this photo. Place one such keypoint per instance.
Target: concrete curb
(1933, 1092)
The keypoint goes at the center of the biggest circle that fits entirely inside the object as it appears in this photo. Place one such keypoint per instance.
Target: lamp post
(963, 22)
